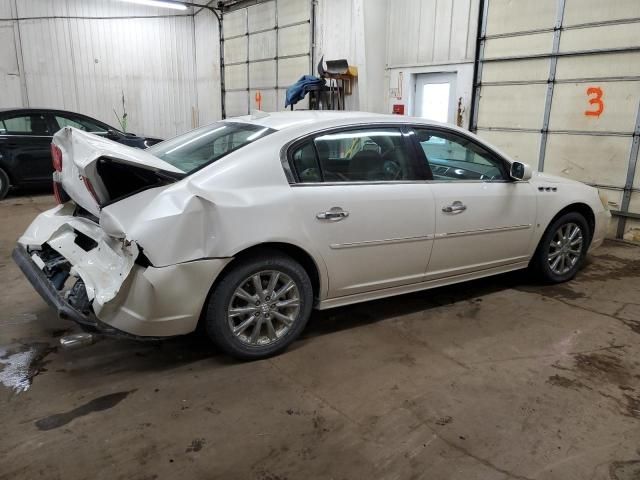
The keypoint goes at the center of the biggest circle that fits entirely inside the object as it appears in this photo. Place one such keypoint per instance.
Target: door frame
(450, 78)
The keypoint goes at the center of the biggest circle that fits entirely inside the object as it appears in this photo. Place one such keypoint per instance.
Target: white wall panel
(512, 106)
(262, 74)
(516, 70)
(5, 9)
(592, 159)
(607, 36)
(603, 65)
(293, 11)
(10, 90)
(235, 76)
(235, 23)
(589, 11)
(262, 45)
(424, 32)
(507, 16)
(294, 40)
(571, 101)
(237, 103)
(262, 16)
(520, 45)
(235, 50)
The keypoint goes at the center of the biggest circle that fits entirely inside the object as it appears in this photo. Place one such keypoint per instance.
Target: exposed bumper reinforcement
(66, 311)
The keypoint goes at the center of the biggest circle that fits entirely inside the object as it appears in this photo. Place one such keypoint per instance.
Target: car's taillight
(89, 186)
(56, 157)
(59, 194)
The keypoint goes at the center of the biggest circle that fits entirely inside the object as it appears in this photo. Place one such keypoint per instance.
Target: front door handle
(334, 214)
(455, 207)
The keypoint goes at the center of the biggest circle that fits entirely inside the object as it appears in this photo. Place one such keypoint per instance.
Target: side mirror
(520, 171)
(112, 134)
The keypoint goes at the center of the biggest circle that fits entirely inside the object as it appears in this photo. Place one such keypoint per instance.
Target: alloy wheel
(263, 308)
(565, 248)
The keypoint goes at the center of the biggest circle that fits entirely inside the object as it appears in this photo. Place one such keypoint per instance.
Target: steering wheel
(391, 169)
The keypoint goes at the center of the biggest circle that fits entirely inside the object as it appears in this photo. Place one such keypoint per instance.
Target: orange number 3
(596, 101)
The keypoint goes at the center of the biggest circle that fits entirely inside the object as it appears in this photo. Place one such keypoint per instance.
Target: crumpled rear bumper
(126, 297)
(50, 294)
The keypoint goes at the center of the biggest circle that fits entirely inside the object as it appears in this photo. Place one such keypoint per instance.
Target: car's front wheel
(562, 249)
(259, 306)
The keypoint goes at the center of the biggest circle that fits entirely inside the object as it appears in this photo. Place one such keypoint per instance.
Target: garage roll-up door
(267, 47)
(558, 87)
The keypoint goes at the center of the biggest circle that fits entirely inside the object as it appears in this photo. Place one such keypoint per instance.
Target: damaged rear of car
(130, 249)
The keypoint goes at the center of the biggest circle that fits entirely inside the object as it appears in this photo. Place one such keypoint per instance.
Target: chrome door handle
(334, 214)
(455, 207)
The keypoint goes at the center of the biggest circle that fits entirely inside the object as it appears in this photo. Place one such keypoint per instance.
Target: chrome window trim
(399, 182)
(405, 128)
(291, 144)
(505, 162)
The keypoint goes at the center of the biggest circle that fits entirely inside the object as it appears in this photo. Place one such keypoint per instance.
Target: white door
(364, 208)
(483, 218)
(435, 97)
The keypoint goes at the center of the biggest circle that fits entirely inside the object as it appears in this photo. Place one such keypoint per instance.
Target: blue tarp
(298, 90)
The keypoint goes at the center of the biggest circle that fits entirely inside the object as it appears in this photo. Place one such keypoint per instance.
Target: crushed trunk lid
(97, 171)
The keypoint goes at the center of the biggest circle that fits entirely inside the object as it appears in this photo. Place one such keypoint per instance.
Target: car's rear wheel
(259, 306)
(4, 184)
(562, 249)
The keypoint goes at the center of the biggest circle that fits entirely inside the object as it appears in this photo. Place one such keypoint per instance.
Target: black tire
(4, 184)
(216, 320)
(541, 264)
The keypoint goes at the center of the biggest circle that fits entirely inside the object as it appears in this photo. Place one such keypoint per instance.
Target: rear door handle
(455, 207)
(334, 214)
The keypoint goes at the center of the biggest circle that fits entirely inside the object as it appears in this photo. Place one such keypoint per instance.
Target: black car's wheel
(562, 249)
(4, 184)
(259, 306)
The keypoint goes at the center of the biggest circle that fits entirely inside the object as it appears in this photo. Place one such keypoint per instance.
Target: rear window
(205, 145)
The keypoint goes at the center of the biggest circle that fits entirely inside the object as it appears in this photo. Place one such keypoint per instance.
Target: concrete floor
(492, 379)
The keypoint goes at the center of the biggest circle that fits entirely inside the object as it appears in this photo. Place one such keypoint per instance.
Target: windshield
(205, 145)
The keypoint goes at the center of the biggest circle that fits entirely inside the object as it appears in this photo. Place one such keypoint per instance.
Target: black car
(25, 143)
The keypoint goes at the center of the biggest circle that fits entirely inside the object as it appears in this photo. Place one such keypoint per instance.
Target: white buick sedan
(244, 226)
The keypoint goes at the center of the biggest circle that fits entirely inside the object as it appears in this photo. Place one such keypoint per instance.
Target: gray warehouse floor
(492, 379)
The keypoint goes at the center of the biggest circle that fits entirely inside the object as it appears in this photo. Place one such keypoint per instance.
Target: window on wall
(366, 155)
(25, 125)
(454, 157)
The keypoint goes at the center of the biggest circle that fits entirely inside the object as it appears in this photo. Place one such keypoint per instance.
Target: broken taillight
(56, 157)
(59, 194)
(89, 186)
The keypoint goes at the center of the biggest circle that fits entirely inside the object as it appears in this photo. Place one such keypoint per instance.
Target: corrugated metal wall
(426, 32)
(559, 88)
(431, 36)
(81, 55)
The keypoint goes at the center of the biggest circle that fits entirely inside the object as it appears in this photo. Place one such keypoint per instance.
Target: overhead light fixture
(158, 3)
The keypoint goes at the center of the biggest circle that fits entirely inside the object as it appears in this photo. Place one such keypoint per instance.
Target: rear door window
(80, 123)
(34, 124)
(377, 154)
